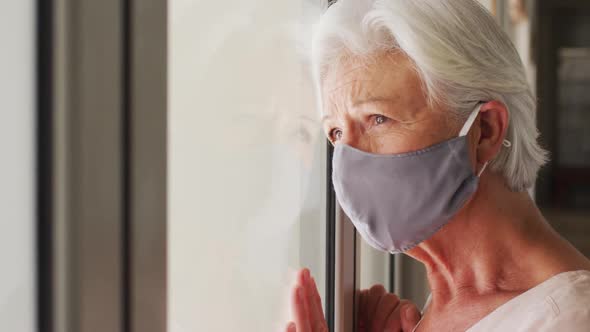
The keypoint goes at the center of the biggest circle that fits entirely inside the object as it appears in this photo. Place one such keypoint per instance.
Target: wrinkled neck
(493, 245)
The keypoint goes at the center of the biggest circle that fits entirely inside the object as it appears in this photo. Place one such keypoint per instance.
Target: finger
(316, 295)
(305, 282)
(318, 304)
(394, 322)
(386, 305)
(410, 316)
(375, 294)
(300, 310)
(291, 327)
(317, 321)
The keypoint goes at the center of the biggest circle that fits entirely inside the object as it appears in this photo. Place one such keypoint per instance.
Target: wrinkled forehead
(380, 76)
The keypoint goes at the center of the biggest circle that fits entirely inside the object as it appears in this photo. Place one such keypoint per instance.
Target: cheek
(407, 140)
(394, 142)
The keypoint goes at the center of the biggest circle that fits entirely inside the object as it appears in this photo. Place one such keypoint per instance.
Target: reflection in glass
(246, 166)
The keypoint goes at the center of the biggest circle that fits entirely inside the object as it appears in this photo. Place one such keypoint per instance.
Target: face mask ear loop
(469, 122)
(467, 127)
(482, 169)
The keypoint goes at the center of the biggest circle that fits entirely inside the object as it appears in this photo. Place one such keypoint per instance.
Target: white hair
(461, 55)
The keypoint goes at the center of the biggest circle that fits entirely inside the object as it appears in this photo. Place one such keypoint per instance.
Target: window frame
(101, 202)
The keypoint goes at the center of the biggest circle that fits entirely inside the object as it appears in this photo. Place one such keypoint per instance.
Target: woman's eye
(335, 134)
(379, 119)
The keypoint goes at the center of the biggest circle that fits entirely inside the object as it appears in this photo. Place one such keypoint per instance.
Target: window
(17, 143)
(246, 166)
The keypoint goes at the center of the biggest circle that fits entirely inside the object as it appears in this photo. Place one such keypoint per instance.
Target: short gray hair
(461, 55)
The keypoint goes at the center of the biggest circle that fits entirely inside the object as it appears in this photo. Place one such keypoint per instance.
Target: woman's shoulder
(570, 291)
(568, 301)
(562, 301)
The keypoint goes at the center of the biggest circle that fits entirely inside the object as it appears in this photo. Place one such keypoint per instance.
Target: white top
(560, 303)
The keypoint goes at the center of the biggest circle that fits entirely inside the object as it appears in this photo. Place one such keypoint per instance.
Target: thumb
(410, 316)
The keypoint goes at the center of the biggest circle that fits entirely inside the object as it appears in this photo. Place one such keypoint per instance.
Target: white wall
(17, 180)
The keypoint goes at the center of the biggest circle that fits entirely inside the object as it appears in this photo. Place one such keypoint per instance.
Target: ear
(493, 126)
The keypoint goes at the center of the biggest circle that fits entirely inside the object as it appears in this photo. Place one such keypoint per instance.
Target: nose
(349, 138)
(353, 136)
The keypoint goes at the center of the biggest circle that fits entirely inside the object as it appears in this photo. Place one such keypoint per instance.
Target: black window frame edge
(342, 261)
(330, 241)
(44, 113)
(331, 206)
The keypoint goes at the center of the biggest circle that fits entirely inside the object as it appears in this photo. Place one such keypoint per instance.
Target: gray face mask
(397, 201)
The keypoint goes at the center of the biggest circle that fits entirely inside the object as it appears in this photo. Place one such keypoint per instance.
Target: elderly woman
(433, 126)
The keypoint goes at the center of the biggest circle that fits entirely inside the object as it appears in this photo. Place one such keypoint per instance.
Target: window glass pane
(17, 175)
(408, 275)
(246, 166)
(374, 266)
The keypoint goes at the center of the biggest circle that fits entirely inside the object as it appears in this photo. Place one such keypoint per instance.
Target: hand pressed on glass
(378, 310)
(307, 306)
